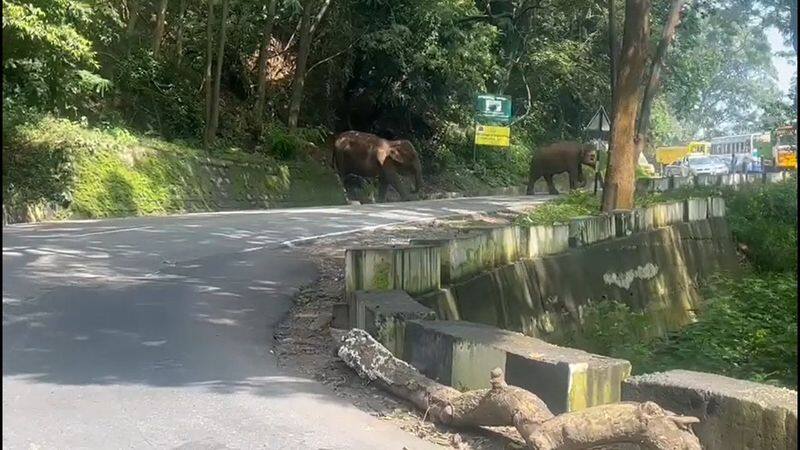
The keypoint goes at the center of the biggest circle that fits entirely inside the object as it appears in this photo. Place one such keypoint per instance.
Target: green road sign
(493, 108)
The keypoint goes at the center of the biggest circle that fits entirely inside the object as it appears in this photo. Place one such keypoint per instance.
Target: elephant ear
(401, 152)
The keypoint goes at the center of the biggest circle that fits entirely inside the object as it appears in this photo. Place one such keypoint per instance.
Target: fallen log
(644, 424)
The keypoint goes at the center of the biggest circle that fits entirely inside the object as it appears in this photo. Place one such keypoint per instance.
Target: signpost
(600, 125)
(492, 120)
(493, 109)
(492, 136)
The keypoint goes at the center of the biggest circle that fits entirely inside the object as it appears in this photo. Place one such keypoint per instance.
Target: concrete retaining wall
(414, 269)
(663, 184)
(653, 271)
(461, 354)
(734, 414)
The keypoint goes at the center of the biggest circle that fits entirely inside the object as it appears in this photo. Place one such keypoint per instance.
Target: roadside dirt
(304, 344)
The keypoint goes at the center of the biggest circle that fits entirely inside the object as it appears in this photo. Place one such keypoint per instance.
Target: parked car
(697, 164)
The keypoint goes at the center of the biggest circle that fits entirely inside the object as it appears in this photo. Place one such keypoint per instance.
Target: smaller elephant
(559, 157)
(369, 156)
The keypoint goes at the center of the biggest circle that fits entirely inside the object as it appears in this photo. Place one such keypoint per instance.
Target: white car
(696, 165)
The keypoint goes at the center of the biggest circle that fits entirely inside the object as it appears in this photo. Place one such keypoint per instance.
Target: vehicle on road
(784, 150)
(670, 156)
(696, 164)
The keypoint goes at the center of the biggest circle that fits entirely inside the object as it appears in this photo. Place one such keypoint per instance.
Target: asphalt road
(156, 332)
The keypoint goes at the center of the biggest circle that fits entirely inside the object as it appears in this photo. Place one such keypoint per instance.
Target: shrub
(764, 218)
(574, 204)
(747, 329)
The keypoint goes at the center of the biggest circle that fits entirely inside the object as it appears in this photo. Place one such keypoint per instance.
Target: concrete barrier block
(442, 302)
(508, 243)
(666, 214)
(415, 269)
(695, 209)
(461, 354)
(733, 179)
(643, 219)
(463, 256)
(706, 179)
(773, 177)
(503, 244)
(659, 184)
(753, 178)
(734, 414)
(384, 314)
(547, 240)
(716, 206)
(680, 182)
(590, 229)
(624, 222)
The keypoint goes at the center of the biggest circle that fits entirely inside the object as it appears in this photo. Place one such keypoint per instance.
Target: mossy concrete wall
(655, 271)
(67, 170)
(415, 269)
(461, 354)
(734, 414)
(663, 184)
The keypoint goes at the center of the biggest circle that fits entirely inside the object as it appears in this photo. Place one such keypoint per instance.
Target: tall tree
(208, 85)
(654, 80)
(263, 58)
(300, 67)
(158, 34)
(179, 32)
(620, 181)
(211, 131)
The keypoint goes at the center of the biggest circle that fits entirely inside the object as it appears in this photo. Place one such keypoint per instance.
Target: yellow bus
(670, 155)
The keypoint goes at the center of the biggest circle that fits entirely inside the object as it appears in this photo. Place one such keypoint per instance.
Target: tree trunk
(179, 32)
(209, 62)
(263, 58)
(158, 34)
(645, 424)
(622, 160)
(133, 17)
(300, 67)
(654, 82)
(212, 129)
(613, 55)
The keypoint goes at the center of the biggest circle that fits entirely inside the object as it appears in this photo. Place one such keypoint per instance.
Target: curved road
(156, 332)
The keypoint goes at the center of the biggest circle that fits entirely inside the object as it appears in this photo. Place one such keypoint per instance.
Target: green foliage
(612, 328)
(48, 61)
(112, 172)
(764, 217)
(561, 210)
(721, 79)
(158, 95)
(747, 326)
(747, 329)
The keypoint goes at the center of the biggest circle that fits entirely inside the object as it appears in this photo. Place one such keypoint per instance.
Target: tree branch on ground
(645, 424)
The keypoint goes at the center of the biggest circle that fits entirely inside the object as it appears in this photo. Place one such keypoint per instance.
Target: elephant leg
(573, 179)
(383, 186)
(532, 179)
(551, 187)
(396, 182)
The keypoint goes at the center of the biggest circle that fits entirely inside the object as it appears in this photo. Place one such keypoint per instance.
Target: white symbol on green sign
(494, 108)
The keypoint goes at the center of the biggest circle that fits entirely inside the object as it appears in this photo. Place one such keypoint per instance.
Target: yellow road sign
(492, 136)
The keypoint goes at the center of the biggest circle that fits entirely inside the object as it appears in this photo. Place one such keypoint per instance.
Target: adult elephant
(559, 157)
(370, 156)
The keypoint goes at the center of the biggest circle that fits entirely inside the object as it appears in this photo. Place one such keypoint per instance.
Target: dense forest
(257, 75)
